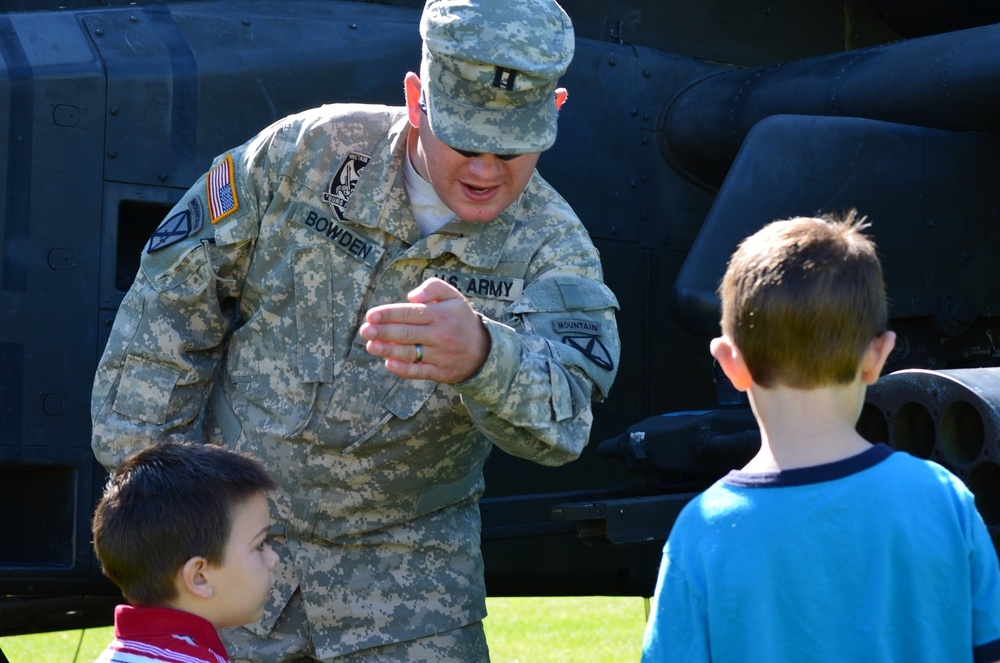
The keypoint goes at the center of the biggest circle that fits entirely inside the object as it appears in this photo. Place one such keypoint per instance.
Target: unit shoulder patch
(592, 348)
(176, 227)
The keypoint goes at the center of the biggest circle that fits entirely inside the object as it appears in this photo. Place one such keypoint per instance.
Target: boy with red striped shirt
(181, 530)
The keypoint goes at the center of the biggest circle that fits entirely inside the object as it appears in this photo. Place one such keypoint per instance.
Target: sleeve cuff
(489, 385)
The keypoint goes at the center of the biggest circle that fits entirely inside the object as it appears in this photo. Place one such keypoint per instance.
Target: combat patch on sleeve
(344, 181)
(176, 227)
(222, 200)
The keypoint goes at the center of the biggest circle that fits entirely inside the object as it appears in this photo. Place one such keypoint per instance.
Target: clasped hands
(435, 336)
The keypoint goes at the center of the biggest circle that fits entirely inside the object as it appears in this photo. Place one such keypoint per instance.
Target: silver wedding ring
(420, 354)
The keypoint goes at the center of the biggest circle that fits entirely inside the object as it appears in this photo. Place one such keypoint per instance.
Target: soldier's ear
(411, 88)
(561, 96)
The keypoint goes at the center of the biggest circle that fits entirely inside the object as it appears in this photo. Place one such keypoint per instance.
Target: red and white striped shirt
(162, 635)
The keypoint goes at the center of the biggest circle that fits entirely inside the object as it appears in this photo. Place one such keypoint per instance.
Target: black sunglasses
(465, 153)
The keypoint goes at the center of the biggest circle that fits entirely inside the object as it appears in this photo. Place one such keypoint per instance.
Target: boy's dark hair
(802, 298)
(166, 504)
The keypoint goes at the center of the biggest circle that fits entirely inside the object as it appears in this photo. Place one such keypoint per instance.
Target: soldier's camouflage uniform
(257, 283)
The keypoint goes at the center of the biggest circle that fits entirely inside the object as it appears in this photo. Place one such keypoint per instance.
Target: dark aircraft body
(689, 125)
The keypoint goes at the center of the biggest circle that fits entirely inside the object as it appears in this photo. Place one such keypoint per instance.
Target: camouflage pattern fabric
(490, 70)
(289, 642)
(306, 227)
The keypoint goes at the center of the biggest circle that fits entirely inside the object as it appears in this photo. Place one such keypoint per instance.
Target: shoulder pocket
(577, 317)
(145, 389)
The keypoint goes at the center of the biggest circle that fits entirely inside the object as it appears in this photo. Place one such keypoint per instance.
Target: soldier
(367, 299)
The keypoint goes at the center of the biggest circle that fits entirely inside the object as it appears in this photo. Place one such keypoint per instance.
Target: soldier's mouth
(479, 192)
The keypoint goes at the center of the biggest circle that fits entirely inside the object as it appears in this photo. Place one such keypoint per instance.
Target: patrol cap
(489, 70)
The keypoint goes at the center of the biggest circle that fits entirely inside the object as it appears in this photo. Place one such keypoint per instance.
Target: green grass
(589, 629)
(58, 647)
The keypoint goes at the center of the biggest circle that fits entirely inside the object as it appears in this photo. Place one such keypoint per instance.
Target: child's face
(245, 576)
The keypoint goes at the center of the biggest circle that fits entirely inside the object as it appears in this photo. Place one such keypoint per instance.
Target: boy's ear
(731, 361)
(876, 356)
(193, 578)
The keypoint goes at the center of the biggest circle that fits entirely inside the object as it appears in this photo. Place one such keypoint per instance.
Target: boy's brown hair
(802, 299)
(166, 504)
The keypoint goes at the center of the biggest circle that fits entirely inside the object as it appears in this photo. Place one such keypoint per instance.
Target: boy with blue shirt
(824, 547)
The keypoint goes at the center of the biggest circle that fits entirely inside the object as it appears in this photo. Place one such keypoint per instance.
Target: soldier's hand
(436, 336)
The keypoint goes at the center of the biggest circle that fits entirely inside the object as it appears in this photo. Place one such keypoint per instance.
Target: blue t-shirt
(877, 557)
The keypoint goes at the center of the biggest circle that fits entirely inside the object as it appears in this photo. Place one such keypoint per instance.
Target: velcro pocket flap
(145, 389)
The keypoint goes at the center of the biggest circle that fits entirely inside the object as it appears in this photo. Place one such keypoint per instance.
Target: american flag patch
(221, 193)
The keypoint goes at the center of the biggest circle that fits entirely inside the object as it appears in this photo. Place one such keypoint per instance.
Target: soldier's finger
(406, 314)
(408, 369)
(433, 290)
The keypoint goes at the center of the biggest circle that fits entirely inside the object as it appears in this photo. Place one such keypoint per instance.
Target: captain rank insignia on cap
(504, 78)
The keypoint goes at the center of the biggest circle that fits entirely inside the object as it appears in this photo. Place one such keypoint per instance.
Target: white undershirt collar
(428, 210)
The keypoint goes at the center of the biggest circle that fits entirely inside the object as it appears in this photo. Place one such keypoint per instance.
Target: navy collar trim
(802, 476)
